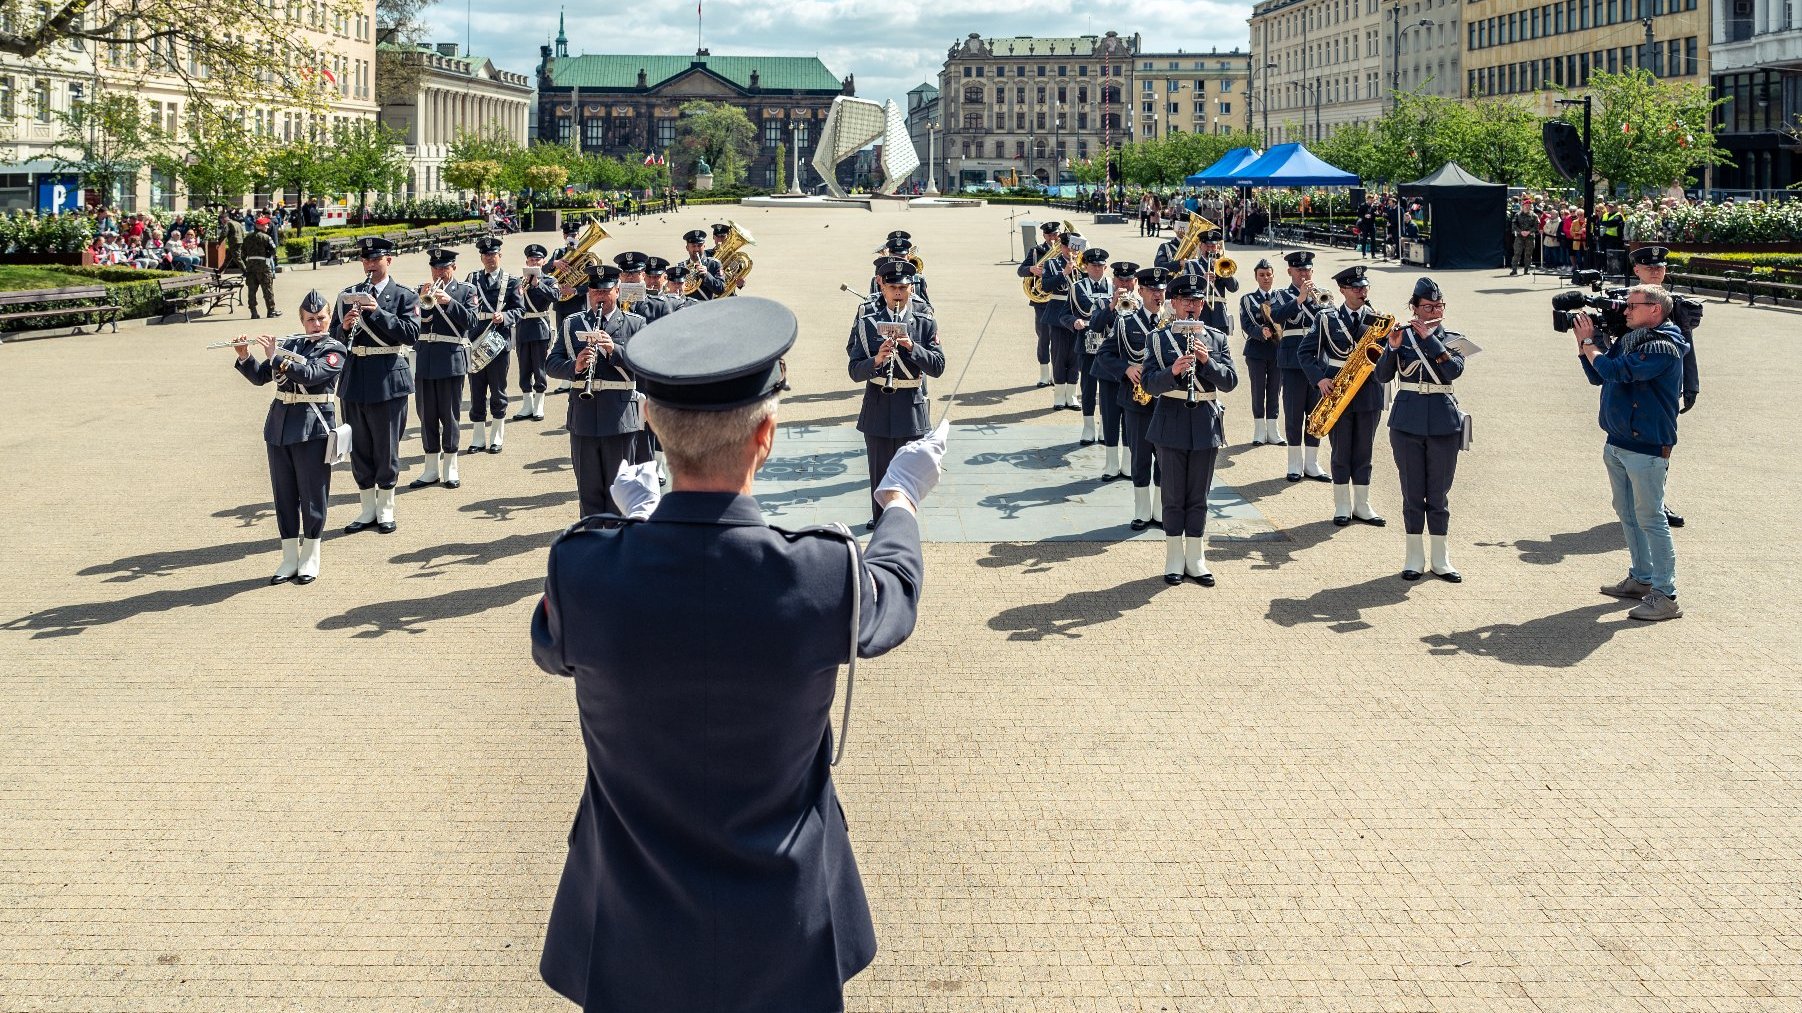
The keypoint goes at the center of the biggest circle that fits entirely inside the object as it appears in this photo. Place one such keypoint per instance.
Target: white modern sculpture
(852, 123)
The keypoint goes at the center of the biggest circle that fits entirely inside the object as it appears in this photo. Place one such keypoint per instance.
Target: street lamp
(794, 143)
(1265, 101)
(1395, 78)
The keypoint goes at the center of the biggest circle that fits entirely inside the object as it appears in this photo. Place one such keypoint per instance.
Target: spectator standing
(1523, 228)
(1552, 245)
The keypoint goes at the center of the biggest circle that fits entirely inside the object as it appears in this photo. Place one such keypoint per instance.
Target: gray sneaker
(1628, 588)
(1656, 608)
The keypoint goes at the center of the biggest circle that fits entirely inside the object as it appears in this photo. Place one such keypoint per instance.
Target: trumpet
(430, 291)
(1127, 301)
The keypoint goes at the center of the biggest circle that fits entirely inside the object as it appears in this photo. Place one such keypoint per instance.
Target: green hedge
(135, 292)
(1759, 263)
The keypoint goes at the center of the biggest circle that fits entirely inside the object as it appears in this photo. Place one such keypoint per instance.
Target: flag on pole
(650, 159)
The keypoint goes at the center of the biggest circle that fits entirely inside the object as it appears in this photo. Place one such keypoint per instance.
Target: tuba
(1192, 238)
(735, 264)
(1351, 376)
(1034, 287)
(576, 260)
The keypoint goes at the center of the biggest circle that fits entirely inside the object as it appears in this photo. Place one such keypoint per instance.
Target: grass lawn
(25, 277)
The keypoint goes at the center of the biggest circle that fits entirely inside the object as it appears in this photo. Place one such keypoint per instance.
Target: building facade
(923, 126)
(452, 94)
(1755, 53)
(1190, 93)
(1322, 64)
(627, 106)
(34, 91)
(1031, 105)
(1524, 47)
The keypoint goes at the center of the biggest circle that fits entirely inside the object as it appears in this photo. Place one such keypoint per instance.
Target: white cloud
(890, 47)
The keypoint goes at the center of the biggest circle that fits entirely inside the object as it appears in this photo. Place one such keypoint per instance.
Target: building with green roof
(627, 106)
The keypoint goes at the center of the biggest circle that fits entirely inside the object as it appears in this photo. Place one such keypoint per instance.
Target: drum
(485, 349)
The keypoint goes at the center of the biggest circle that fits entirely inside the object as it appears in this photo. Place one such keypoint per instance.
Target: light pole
(1264, 72)
(1395, 54)
(932, 187)
(794, 143)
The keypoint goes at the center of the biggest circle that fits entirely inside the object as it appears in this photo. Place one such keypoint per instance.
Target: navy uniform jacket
(1125, 346)
(713, 278)
(1413, 412)
(443, 348)
(1296, 319)
(1335, 334)
(1086, 299)
(652, 307)
(1166, 255)
(288, 424)
(497, 293)
(904, 411)
(709, 865)
(1174, 423)
(1686, 313)
(537, 310)
(394, 323)
(609, 412)
(1252, 323)
(1031, 259)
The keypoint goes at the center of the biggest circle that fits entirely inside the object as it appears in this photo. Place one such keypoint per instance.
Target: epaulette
(598, 523)
(835, 531)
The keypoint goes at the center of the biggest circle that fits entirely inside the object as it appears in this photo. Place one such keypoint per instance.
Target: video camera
(1606, 309)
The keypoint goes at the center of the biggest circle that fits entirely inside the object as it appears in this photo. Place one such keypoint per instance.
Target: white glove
(636, 490)
(915, 470)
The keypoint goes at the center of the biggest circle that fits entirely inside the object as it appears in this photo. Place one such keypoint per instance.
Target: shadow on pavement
(773, 503)
(823, 397)
(986, 398)
(804, 427)
(1038, 557)
(1047, 459)
(1067, 616)
(549, 466)
(163, 564)
(432, 560)
(412, 615)
(1342, 608)
(503, 508)
(1555, 641)
(1010, 418)
(1602, 538)
(72, 620)
(1272, 554)
(251, 514)
(1012, 504)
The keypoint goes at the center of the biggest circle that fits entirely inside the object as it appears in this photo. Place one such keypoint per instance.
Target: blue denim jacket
(1641, 376)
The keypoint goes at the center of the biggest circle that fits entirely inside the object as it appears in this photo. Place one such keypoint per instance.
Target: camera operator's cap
(1187, 286)
(602, 276)
(894, 271)
(488, 244)
(1125, 269)
(714, 356)
(721, 228)
(535, 250)
(374, 246)
(677, 272)
(1352, 277)
(1049, 228)
(694, 236)
(1263, 264)
(1094, 255)
(631, 260)
(1153, 277)
(441, 257)
(655, 265)
(1649, 256)
(1300, 258)
(1428, 289)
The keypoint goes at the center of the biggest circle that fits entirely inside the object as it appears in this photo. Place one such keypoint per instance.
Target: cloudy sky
(890, 46)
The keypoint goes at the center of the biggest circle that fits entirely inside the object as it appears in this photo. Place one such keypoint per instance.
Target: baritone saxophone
(1351, 376)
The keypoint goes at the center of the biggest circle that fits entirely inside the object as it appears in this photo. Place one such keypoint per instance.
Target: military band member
(1089, 291)
(1097, 333)
(720, 231)
(1041, 326)
(1189, 367)
(1649, 268)
(1213, 247)
(900, 245)
(1066, 343)
(709, 269)
(1425, 425)
(1353, 438)
(377, 327)
(1294, 309)
(537, 328)
(569, 300)
(606, 429)
(674, 276)
(1259, 355)
(1166, 254)
(304, 370)
(447, 309)
(657, 301)
(893, 368)
(1123, 355)
(498, 310)
(709, 867)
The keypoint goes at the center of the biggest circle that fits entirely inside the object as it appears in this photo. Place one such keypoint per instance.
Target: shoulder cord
(1426, 364)
(844, 722)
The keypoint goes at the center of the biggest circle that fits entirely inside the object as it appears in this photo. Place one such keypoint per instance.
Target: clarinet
(594, 358)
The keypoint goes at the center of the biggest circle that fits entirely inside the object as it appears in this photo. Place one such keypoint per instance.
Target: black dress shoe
(1294, 476)
(1277, 443)
(1086, 443)
(277, 313)
(1342, 522)
(1139, 525)
(475, 448)
(386, 527)
(1451, 577)
(1112, 478)
(1674, 520)
(521, 417)
(1043, 384)
(1374, 521)
(453, 483)
(1173, 579)
(253, 315)
(1074, 407)
(303, 580)
(1320, 478)
(538, 418)
(869, 525)
(1205, 580)
(495, 449)
(1410, 574)
(278, 579)
(355, 526)
(420, 483)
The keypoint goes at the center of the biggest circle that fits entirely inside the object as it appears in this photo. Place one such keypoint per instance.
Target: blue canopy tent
(1221, 172)
(1290, 165)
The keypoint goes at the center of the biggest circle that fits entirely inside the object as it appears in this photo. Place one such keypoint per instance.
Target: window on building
(1175, 107)
(1020, 94)
(594, 134)
(972, 121)
(1082, 95)
(966, 146)
(973, 93)
(1082, 121)
(1041, 70)
(1151, 107)
(1000, 94)
(1226, 108)
(1063, 70)
(9, 104)
(1019, 149)
(1020, 70)
(978, 71)
(1082, 71)
(562, 130)
(1689, 51)
(1000, 149)
(1150, 86)
(968, 72)
(40, 99)
(1173, 86)
(1063, 94)
(1019, 121)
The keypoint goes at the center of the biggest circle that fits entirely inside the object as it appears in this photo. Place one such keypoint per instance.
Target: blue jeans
(1638, 481)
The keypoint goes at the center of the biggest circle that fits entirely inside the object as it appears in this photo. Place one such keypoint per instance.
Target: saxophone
(1351, 376)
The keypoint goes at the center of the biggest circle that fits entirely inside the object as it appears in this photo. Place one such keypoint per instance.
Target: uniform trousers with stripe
(302, 482)
(1065, 365)
(1299, 398)
(881, 452)
(1041, 326)
(1145, 468)
(440, 414)
(531, 366)
(1266, 386)
(375, 428)
(1427, 465)
(1107, 398)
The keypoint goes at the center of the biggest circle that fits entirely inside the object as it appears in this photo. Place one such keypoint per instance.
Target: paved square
(1314, 787)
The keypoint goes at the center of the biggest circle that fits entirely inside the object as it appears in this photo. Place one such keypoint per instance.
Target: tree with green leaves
(477, 174)
(543, 178)
(215, 156)
(1647, 134)
(719, 133)
(369, 160)
(104, 141)
(306, 167)
(1499, 140)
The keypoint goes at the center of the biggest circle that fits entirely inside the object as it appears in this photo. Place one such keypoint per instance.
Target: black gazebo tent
(1466, 215)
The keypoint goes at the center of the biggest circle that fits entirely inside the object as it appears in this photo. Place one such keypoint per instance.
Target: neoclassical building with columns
(451, 94)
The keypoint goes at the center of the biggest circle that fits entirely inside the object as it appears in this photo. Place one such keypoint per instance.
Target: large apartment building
(1190, 93)
(1756, 56)
(1529, 47)
(1031, 105)
(450, 94)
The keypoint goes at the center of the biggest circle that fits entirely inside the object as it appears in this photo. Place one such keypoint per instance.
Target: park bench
(1721, 275)
(191, 292)
(86, 302)
(1781, 283)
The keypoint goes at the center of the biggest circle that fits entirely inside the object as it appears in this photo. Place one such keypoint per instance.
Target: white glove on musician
(916, 468)
(636, 490)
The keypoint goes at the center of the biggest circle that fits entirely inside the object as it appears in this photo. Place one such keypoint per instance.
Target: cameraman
(1649, 267)
(1640, 375)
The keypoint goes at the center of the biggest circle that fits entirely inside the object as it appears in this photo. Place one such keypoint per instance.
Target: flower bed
(1735, 224)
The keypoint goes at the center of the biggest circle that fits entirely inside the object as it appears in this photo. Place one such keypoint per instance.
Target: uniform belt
(615, 385)
(256, 258)
(296, 397)
(443, 339)
(1182, 394)
(546, 315)
(1335, 363)
(898, 383)
(377, 349)
(1427, 388)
